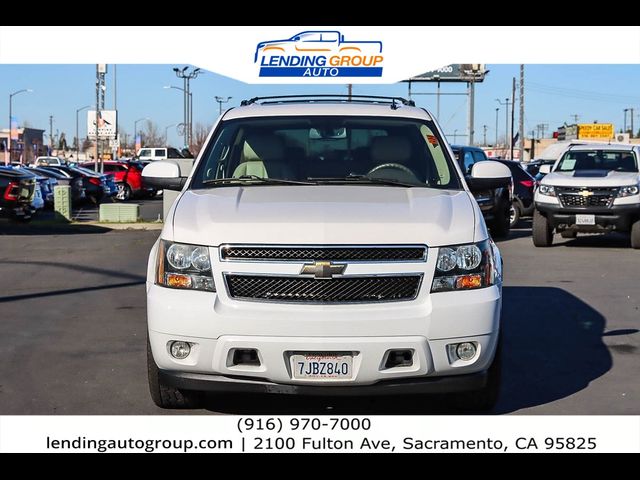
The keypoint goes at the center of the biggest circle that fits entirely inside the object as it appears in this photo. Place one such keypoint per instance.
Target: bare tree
(151, 136)
(200, 132)
(86, 144)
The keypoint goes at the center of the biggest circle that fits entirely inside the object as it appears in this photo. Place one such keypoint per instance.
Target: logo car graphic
(319, 54)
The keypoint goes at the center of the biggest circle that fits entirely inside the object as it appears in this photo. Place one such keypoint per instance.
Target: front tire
(542, 231)
(124, 192)
(514, 214)
(501, 224)
(635, 235)
(165, 396)
(485, 399)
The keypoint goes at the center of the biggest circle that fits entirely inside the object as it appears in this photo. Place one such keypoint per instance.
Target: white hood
(591, 178)
(324, 215)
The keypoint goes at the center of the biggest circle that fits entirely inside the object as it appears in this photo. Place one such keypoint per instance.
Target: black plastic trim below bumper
(219, 383)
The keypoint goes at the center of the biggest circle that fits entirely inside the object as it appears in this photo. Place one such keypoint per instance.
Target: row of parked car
(26, 189)
(502, 207)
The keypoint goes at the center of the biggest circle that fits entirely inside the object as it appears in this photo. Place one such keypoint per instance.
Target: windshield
(316, 150)
(620, 161)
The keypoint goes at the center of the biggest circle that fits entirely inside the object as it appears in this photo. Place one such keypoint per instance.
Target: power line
(581, 94)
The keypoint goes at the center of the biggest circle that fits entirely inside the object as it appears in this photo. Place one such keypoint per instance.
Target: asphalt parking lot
(72, 306)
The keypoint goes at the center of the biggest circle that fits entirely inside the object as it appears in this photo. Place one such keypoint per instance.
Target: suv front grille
(586, 197)
(305, 254)
(311, 290)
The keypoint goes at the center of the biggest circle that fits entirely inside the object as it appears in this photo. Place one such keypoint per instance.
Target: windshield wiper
(248, 179)
(364, 179)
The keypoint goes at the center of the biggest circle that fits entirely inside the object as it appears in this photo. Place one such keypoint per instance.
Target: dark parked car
(95, 186)
(77, 190)
(523, 187)
(17, 191)
(533, 167)
(495, 204)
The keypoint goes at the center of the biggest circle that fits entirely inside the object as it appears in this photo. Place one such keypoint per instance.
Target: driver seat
(391, 149)
(261, 154)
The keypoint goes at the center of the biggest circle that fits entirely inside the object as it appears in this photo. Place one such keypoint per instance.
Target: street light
(77, 134)
(497, 110)
(187, 125)
(222, 100)
(135, 129)
(11, 95)
(187, 102)
(166, 129)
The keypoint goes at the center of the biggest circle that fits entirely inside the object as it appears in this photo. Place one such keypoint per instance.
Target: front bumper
(219, 383)
(616, 217)
(217, 324)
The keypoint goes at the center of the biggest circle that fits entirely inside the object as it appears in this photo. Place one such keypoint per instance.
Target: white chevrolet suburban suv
(325, 246)
(592, 188)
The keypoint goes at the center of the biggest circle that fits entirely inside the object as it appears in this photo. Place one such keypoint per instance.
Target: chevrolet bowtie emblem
(323, 270)
(586, 193)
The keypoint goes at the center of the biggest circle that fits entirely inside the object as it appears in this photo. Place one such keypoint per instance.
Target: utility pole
(631, 133)
(575, 117)
(497, 110)
(471, 88)
(521, 116)
(484, 135)
(513, 113)
(625, 120)
(50, 133)
(541, 127)
(506, 120)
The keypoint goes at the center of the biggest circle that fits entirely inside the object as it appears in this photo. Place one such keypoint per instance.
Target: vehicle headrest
(390, 150)
(262, 147)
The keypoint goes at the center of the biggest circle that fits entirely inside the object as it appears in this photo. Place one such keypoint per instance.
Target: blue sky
(554, 93)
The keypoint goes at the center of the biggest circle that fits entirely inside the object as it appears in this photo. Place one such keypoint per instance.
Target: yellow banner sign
(595, 130)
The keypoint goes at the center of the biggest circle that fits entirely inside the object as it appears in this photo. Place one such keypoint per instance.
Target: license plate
(323, 366)
(585, 219)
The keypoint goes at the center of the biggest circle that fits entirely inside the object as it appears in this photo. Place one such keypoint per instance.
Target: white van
(151, 154)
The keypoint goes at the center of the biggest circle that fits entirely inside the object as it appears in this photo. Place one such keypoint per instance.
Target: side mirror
(164, 175)
(545, 169)
(487, 175)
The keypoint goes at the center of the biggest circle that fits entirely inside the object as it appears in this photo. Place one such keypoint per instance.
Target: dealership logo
(319, 54)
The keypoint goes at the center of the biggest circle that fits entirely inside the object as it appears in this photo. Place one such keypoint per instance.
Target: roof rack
(394, 102)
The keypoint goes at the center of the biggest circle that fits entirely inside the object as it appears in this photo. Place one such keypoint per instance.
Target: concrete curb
(124, 226)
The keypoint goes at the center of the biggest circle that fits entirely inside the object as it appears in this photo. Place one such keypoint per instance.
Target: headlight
(628, 191)
(547, 190)
(184, 266)
(467, 267)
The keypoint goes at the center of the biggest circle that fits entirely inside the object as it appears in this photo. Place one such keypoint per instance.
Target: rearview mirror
(163, 174)
(545, 169)
(487, 175)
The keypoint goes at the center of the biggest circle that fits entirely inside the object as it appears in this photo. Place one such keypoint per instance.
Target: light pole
(11, 95)
(187, 77)
(166, 129)
(222, 100)
(506, 127)
(455, 134)
(189, 113)
(77, 134)
(135, 130)
(497, 110)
